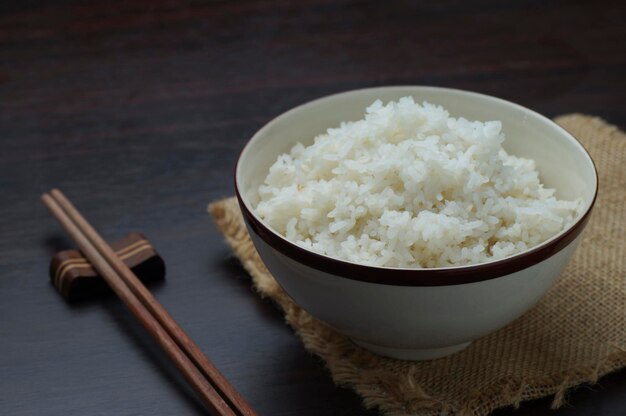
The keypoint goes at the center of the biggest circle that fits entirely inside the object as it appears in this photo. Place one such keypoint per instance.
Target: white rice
(410, 186)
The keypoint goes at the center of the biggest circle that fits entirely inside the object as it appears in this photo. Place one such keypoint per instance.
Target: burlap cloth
(574, 335)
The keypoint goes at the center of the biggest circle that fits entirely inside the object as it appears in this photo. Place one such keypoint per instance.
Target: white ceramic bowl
(424, 313)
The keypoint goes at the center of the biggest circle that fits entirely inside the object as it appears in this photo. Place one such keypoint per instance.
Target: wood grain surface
(138, 109)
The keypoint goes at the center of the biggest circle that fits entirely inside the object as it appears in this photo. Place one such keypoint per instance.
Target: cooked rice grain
(410, 186)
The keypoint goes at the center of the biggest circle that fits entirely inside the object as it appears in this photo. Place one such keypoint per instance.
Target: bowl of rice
(414, 220)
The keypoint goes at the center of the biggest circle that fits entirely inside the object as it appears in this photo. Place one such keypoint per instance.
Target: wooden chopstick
(215, 391)
(219, 382)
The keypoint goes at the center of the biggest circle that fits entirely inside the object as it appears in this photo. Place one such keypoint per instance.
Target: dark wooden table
(138, 109)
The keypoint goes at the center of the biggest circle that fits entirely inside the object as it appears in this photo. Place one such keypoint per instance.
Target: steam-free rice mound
(410, 186)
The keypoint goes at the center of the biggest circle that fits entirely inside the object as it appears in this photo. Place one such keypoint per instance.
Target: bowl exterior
(419, 314)
(412, 322)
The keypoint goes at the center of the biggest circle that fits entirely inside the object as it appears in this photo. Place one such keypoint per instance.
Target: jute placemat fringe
(575, 334)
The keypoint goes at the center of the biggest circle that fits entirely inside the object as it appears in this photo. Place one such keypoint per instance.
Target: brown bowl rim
(444, 276)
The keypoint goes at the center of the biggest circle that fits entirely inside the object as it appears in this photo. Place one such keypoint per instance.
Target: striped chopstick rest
(75, 279)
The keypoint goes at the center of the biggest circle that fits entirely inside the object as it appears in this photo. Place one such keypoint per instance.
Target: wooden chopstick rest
(75, 279)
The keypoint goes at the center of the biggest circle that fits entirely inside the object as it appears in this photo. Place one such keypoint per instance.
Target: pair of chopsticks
(214, 390)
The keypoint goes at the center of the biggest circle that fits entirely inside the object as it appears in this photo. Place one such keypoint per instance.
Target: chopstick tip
(47, 200)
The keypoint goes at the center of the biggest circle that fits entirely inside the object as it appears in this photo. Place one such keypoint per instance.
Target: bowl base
(412, 354)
